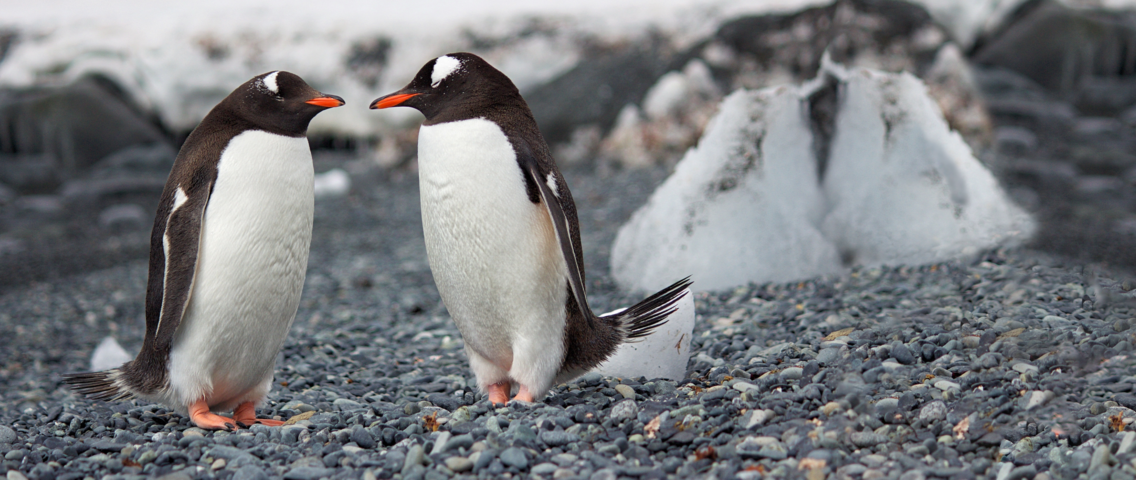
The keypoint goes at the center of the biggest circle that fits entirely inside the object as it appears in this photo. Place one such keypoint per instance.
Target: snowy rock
(109, 354)
(662, 354)
(793, 182)
(748, 189)
(951, 83)
(675, 111)
(332, 183)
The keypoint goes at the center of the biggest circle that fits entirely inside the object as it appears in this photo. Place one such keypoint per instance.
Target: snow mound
(794, 182)
(662, 354)
(332, 183)
(741, 206)
(902, 186)
(109, 354)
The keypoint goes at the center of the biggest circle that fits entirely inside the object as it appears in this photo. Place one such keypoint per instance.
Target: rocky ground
(1012, 365)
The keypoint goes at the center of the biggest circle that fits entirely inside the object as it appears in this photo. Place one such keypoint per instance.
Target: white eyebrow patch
(443, 67)
(270, 82)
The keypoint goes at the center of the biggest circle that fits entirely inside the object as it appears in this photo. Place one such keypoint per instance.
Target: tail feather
(642, 318)
(104, 385)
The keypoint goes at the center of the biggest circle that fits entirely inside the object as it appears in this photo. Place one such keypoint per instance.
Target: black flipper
(174, 245)
(563, 228)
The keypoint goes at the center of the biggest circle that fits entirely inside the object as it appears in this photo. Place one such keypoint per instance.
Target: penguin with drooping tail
(502, 236)
(228, 256)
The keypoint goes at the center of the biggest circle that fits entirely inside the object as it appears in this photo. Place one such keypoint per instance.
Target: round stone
(7, 435)
(514, 457)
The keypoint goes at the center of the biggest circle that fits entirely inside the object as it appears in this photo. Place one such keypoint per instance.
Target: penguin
(228, 256)
(503, 238)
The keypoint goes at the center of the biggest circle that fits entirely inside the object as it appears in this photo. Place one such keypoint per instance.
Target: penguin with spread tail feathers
(228, 256)
(502, 235)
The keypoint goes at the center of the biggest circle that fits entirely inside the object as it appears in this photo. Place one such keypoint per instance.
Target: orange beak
(392, 100)
(326, 101)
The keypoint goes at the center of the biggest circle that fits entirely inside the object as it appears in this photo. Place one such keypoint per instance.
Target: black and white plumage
(502, 235)
(228, 256)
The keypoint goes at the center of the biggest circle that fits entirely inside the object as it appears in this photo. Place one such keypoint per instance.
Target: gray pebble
(544, 469)
(308, 473)
(933, 412)
(249, 472)
(866, 439)
(7, 435)
(556, 438)
(902, 354)
(624, 410)
(459, 464)
(363, 438)
(414, 456)
(514, 457)
(828, 356)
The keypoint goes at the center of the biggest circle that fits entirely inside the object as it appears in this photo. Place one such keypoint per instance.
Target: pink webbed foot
(245, 415)
(499, 393)
(200, 415)
(524, 395)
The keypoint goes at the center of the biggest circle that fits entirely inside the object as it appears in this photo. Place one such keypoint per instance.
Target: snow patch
(662, 354)
(179, 60)
(903, 187)
(742, 206)
(767, 195)
(109, 354)
(332, 183)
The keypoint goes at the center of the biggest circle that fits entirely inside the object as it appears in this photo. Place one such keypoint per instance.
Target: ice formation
(793, 182)
(662, 354)
(109, 354)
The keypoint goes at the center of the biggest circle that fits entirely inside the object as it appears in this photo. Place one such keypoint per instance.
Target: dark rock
(1081, 38)
(902, 354)
(990, 439)
(249, 472)
(363, 438)
(514, 457)
(448, 402)
(594, 92)
(56, 134)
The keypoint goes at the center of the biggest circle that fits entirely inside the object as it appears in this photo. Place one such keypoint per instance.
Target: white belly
(493, 253)
(252, 260)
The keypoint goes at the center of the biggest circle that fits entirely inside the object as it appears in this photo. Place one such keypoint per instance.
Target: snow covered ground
(179, 59)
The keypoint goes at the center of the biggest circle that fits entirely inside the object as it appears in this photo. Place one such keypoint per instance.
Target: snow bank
(902, 187)
(662, 354)
(109, 354)
(179, 59)
(768, 196)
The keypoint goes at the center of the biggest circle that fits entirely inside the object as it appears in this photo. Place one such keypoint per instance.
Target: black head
(279, 102)
(455, 86)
